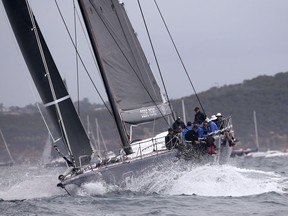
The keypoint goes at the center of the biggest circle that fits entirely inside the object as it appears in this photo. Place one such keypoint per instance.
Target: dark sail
(53, 94)
(123, 63)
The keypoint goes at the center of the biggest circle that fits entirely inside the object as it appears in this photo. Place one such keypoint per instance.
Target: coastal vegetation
(26, 133)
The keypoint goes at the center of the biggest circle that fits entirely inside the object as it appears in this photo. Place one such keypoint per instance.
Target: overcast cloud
(221, 42)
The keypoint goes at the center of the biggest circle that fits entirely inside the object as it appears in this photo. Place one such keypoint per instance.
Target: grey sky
(221, 42)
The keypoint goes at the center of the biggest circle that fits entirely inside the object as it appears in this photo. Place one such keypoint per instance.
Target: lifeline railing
(158, 143)
(141, 146)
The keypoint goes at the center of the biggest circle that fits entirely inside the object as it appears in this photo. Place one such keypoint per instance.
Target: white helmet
(213, 117)
(219, 115)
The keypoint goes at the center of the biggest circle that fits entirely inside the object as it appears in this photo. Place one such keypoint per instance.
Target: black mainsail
(123, 61)
(48, 81)
(132, 90)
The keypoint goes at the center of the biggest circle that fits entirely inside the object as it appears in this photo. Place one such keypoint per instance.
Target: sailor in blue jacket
(208, 127)
(187, 128)
(213, 126)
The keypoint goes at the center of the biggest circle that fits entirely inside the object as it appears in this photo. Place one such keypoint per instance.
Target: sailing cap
(218, 114)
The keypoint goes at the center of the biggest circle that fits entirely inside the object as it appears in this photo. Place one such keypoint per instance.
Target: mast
(256, 130)
(183, 110)
(115, 110)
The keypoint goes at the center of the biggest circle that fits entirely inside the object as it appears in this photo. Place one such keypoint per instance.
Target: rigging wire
(76, 57)
(179, 56)
(156, 59)
(87, 40)
(81, 60)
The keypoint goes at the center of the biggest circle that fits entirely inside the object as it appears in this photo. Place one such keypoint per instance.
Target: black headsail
(131, 87)
(48, 81)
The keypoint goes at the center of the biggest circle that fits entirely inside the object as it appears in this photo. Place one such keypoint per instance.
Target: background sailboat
(254, 152)
(5, 155)
(50, 157)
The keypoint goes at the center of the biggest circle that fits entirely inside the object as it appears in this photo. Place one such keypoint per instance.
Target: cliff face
(26, 133)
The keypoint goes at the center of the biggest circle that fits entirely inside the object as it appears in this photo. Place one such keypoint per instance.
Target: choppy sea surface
(245, 186)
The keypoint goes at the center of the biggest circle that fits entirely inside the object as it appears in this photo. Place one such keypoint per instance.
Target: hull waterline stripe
(57, 101)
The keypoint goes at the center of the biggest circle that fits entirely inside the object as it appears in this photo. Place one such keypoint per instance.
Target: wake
(208, 180)
(171, 179)
(214, 180)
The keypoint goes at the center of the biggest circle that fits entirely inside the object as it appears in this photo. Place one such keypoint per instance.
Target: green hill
(25, 131)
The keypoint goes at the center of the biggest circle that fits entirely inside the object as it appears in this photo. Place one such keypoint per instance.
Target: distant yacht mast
(6, 146)
(256, 130)
(184, 112)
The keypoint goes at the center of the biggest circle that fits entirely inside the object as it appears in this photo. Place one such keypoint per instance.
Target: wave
(208, 180)
(26, 182)
(172, 179)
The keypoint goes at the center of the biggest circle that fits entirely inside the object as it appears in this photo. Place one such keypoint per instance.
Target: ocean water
(245, 186)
